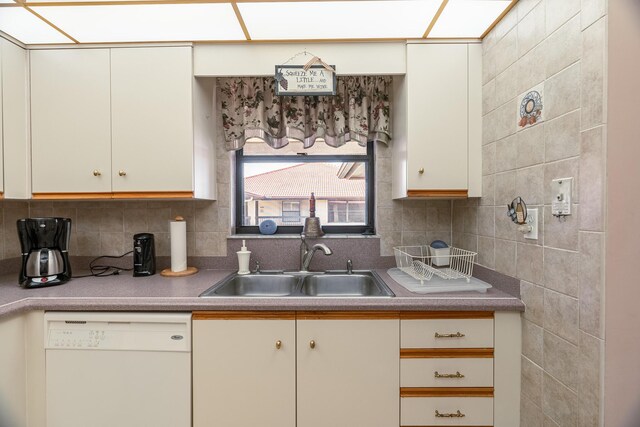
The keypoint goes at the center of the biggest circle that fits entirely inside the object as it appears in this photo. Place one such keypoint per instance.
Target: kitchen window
(277, 184)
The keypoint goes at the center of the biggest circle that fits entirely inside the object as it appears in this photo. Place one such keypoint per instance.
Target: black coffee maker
(45, 256)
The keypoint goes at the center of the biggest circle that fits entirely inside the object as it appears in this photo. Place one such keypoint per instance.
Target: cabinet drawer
(422, 372)
(446, 333)
(421, 411)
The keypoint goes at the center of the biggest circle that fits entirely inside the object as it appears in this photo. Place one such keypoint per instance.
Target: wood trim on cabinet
(243, 315)
(347, 315)
(70, 196)
(123, 195)
(240, 19)
(417, 315)
(154, 195)
(446, 353)
(446, 391)
(439, 193)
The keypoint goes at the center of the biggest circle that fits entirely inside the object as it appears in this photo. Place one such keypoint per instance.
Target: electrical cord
(105, 270)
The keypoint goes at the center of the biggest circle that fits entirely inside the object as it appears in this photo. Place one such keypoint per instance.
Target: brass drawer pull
(458, 414)
(312, 344)
(278, 344)
(456, 375)
(456, 335)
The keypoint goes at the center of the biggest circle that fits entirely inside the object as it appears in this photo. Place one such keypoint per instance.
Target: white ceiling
(122, 21)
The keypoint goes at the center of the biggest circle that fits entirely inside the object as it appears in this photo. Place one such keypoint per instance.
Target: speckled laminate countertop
(157, 293)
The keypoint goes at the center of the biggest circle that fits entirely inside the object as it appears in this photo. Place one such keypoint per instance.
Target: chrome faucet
(306, 254)
(349, 266)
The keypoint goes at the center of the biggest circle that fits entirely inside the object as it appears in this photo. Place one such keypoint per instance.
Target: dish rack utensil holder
(423, 262)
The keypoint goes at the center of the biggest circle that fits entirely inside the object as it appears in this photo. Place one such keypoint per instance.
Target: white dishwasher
(118, 369)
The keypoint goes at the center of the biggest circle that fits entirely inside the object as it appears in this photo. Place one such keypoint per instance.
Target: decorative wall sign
(530, 111)
(300, 80)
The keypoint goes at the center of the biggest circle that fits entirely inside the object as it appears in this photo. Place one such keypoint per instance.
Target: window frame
(367, 159)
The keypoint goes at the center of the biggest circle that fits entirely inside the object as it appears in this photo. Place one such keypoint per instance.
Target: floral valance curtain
(359, 111)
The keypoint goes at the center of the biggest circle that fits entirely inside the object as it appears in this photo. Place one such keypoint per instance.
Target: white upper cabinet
(119, 123)
(70, 121)
(437, 139)
(16, 165)
(152, 119)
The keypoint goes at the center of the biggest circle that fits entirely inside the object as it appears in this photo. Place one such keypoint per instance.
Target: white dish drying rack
(423, 262)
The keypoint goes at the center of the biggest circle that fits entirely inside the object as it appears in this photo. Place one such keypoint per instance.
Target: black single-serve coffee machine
(45, 256)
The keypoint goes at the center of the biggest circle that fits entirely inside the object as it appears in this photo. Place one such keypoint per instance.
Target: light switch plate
(532, 220)
(561, 203)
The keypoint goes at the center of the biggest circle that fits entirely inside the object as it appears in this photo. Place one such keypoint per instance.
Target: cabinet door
(350, 377)
(240, 376)
(437, 82)
(152, 120)
(70, 121)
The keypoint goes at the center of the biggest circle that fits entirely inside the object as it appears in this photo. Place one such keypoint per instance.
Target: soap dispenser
(243, 259)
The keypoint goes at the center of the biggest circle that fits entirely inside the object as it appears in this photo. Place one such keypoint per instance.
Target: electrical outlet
(561, 203)
(532, 221)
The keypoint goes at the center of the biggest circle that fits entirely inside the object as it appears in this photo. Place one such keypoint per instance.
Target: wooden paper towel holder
(188, 272)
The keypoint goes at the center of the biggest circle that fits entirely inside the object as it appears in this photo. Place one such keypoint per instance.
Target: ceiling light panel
(467, 18)
(7, 1)
(23, 25)
(338, 19)
(146, 23)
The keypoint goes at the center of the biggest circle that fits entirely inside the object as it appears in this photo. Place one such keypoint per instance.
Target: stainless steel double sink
(297, 284)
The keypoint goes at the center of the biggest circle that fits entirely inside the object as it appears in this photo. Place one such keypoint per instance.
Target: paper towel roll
(178, 230)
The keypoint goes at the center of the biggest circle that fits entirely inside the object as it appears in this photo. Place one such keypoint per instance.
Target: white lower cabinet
(245, 369)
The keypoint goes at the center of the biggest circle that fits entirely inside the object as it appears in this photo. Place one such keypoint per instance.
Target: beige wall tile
(388, 240)
(533, 298)
(591, 11)
(158, 220)
(135, 220)
(439, 218)
(111, 220)
(593, 159)
(560, 358)
(458, 218)
(590, 387)
(531, 29)
(506, 153)
(561, 315)
(563, 47)
(524, 7)
(489, 159)
(559, 12)
(383, 194)
(505, 257)
(548, 422)
(530, 146)
(486, 252)
(529, 263)
(383, 169)
(506, 51)
(562, 137)
(471, 220)
(414, 238)
(558, 401)
(163, 244)
(506, 84)
(414, 217)
(593, 80)
(505, 228)
(206, 214)
(488, 190)
(488, 63)
(531, 69)
(561, 233)
(562, 92)
(489, 102)
(504, 120)
(89, 219)
(530, 185)
(387, 220)
(88, 243)
(486, 221)
(561, 271)
(531, 378)
(112, 244)
(532, 344)
(505, 188)
(591, 283)
(530, 414)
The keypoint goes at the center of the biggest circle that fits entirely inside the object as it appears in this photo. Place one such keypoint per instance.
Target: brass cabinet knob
(421, 171)
(456, 414)
(122, 173)
(96, 172)
(278, 344)
(312, 344)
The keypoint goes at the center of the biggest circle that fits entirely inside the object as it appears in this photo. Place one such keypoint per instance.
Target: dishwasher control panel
(118, 331)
